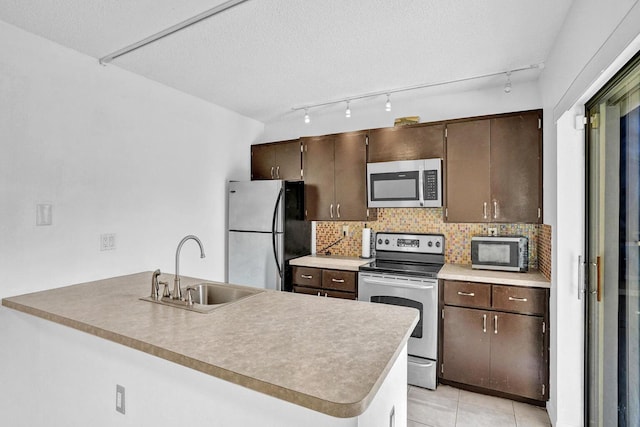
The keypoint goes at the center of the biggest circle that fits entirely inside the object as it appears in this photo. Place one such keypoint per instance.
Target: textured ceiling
(263, 57)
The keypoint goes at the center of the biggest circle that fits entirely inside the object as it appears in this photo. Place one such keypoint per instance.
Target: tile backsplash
(457, 235)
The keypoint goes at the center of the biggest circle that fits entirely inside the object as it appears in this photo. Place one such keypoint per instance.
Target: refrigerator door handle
(273, 232)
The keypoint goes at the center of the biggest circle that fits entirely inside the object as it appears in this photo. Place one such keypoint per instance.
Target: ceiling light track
(388, 92)
(173, 29)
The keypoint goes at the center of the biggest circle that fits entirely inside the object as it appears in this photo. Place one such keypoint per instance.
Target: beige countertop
(531, 278)
(330, 262)
(326, 354)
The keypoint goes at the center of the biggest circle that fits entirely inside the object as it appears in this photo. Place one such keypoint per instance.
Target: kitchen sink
(207, 296)
(216, 294)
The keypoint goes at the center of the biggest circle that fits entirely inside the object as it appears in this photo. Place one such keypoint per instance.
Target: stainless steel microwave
(405, 184)
(509, 253)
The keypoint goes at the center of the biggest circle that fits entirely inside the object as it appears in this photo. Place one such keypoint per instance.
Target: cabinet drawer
(467, 294)
(519, 299)
(339, 280)
(307, 276)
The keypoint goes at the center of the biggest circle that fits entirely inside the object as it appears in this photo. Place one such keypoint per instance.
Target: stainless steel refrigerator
(266, 230)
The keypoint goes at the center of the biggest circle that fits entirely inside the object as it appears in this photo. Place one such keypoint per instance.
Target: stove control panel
(407, 242)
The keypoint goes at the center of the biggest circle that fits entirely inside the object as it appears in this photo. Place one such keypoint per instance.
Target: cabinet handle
(495, 209)
(272, 172)
(278, 172)
(495, 324)
(517, 299)
(484, 210)
(484, 323)
(338, 210)
(306, 276)
(331, 210)
(467, 294)
(337, 280)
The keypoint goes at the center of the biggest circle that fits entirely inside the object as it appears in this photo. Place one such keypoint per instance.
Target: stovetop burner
(412, 269)
(408, 254)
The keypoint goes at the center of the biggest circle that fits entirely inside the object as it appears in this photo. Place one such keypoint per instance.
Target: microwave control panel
(431, 184)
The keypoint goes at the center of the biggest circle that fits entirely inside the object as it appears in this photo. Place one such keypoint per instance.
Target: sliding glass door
(613, 252)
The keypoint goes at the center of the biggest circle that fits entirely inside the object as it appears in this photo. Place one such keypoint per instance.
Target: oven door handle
(396, 284)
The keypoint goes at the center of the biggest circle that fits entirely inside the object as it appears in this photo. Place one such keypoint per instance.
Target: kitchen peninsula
(271, 359)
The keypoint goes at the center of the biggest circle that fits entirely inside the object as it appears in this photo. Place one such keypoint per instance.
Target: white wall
(114, 153)
(594, 34)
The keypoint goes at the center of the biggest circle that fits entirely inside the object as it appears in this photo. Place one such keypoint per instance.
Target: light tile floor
(450, 407)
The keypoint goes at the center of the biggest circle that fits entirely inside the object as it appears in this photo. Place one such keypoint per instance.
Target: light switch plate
(44, 214)
(120, 399)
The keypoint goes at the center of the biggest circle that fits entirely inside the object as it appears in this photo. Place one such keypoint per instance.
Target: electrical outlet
(44, 214)
(493, 231)
(345, 230)
(120, 399)
(107, 242)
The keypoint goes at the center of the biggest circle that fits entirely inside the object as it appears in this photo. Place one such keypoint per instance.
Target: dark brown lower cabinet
(325, 282)
(506, 352)
(517, 354)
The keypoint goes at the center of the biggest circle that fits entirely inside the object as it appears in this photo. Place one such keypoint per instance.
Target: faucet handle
(155, 291)
(189, 295)
(166, 293)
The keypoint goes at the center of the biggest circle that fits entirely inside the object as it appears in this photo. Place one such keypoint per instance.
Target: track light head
(507, 86)
(347, 112)
(307, 119)
(387, 105)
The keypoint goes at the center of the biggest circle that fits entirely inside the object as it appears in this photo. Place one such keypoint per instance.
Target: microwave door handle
(421, 186)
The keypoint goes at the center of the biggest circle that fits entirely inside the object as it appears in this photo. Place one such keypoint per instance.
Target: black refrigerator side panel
(297, 231)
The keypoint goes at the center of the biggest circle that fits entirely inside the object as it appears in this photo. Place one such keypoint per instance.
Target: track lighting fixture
(507, 85)
(387, 105)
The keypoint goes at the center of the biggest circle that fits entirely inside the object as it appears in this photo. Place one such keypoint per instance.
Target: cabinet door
(518, 363)
(263, 158)
(516, 168)
(288, 160)
(406, 143)
(465, 346)
(307, 291)
(317, 159)
(468, 171)
(350, 176)
(338, 294)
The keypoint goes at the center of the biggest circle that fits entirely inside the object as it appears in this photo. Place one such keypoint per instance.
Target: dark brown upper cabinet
(494, 169)
(334, 170)
(277, 160)
(423, 141)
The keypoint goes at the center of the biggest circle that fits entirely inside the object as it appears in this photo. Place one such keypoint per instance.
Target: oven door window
(395, 186)
(404, 302)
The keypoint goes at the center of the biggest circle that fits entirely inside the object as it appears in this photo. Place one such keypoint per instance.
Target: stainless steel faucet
(177, 293)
